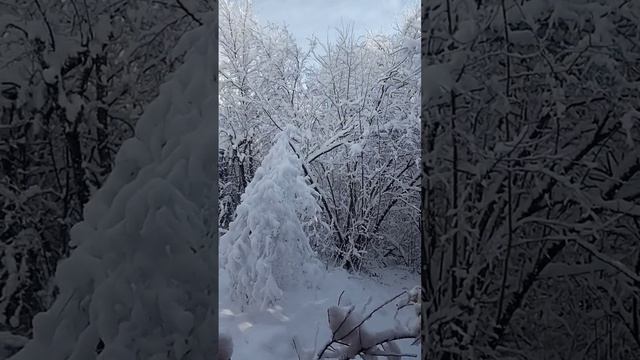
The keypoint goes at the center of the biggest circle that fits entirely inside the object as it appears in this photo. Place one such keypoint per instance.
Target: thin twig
(191, 15)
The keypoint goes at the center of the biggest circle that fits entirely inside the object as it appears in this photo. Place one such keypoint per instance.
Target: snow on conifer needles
(266, 250)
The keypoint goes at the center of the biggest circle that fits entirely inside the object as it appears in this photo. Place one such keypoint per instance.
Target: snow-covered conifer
(136, 286)
(266, 249)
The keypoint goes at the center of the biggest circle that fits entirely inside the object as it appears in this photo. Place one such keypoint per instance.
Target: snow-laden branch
(351, 337)
(609, 261)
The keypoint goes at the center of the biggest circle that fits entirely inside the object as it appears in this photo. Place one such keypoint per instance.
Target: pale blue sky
(306, 17)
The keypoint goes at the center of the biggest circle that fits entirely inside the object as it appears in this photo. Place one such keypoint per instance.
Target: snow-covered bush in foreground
(136, 286)
(266, 249)
(351, 337)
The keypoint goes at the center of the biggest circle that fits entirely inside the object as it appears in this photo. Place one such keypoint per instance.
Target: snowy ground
(269, 335)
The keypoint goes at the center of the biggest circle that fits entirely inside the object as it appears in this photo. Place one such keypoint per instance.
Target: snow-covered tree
(355, 102)
(368, 119)
(266, 250)
(74, 78)
(114, 301)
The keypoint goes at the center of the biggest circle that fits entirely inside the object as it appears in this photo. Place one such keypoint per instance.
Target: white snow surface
(302, 314)
(137, 279)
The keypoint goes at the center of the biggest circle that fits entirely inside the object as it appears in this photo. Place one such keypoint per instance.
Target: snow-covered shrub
(352, 337)
(266, 249)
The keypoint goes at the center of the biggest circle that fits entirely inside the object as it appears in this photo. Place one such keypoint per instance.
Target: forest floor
(302, 314)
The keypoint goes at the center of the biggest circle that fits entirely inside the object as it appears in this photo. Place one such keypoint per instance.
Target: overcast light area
(307, 17)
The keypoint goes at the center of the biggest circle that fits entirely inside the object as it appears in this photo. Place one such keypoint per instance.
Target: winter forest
(118, 187)
(464, 185)
(319, 149)
(531, 207)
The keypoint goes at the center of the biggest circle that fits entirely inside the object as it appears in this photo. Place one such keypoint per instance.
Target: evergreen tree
(115, 302)
(266, 249)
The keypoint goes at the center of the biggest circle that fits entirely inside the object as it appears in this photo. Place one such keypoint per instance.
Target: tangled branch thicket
(532, 173)
(355, 104)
